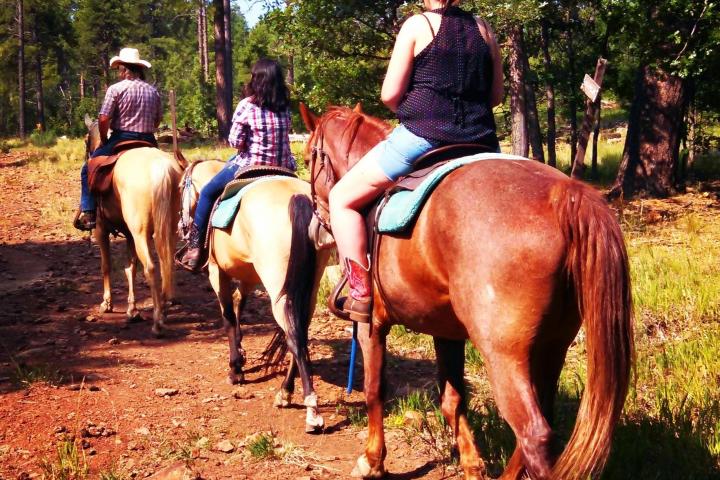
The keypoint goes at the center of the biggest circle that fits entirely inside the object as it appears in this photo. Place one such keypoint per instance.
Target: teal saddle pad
(403, 207)
(224, 214)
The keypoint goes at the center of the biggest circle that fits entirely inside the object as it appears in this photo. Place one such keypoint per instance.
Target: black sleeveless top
(448, 99)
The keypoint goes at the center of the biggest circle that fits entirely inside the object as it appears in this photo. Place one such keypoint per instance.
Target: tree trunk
(650, 157)
(517, 93)
(202, 39)
(221, 111)
(21, 69)
(549, 94)
(228, 55)
(572, 98)
(39, 97)
(531, 110)
(82, 85)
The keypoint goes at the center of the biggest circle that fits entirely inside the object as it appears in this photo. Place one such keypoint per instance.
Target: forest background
(659, 82)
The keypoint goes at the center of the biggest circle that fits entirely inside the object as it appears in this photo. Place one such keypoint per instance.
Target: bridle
(318, 152)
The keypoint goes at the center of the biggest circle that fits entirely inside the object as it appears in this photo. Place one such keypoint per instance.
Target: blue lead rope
(353, 350)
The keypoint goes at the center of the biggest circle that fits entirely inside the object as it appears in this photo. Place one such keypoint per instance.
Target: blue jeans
(87, 199)
(209, 193)
(397, 153)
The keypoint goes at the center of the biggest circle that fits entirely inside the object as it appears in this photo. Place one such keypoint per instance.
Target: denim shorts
(397, 153)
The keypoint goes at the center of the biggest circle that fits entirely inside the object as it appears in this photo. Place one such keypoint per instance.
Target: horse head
(338, 140)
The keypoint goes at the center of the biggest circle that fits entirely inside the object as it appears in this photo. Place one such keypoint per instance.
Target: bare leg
(102, 237)
(451, 367)
(371, 463)
(132, 311)
(223, 289)
(362, 184)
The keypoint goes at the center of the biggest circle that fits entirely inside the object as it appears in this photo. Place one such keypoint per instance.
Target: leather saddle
(100, 168)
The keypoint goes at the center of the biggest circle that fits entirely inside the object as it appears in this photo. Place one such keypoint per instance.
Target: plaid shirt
(133, 106)
(261, 136)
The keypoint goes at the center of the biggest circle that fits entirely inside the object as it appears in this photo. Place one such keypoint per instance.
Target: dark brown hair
(267, 86)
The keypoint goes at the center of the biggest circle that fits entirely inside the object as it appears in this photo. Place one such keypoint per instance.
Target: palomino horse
(267, 243)
(143, 205)
(514, 256)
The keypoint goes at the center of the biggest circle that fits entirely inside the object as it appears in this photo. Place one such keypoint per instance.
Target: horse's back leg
(142, 242)
(509, 369)
(132, 311)
(102, 237)
(451, 368)
(222, 285)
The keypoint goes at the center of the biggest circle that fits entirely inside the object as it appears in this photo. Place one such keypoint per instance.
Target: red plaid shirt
(133, 106)
(261, 136)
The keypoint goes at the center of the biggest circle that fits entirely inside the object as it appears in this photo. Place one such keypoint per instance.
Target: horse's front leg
(451, 367)
(222, 285)
(132, 311)
(102, 237)
(372, 342)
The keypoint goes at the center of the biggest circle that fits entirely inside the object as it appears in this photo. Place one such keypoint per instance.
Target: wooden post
(591, 87)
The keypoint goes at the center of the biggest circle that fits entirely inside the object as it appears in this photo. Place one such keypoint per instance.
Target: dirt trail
(101, 374)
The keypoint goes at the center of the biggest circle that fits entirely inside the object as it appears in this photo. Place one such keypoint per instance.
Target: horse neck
(351, 135)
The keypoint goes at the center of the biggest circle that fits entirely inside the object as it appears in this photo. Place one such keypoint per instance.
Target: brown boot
(358, 305)
(85, 221)
(194, 257)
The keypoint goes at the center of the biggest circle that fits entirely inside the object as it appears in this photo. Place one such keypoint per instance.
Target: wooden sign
(590, 88)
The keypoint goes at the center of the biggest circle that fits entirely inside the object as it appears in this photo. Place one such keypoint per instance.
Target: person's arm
(106, 113)
(158, 111)
(103, 126)
(497, 91)
(238, 132)
(399, 69)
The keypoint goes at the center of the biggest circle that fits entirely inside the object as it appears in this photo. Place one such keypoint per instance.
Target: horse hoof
(235, 378)
(364, 470)
(137, 318)
(282, 399)
(106, 306)
(314, 423)
(157, 331)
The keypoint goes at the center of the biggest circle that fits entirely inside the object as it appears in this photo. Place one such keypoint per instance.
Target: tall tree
(39, 97)
(227, 11)
(222, 112)
(518, 105)
(549, 91)
(21, 67)
(202, 39)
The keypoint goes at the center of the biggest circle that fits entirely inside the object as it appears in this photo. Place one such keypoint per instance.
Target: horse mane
(357, 127)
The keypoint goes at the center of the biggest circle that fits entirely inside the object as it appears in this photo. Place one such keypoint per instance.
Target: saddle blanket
(401, 209)
(224, 214)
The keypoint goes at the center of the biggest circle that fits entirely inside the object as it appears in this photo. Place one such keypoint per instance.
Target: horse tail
(165, 209)
(300, 276)
(597, 265)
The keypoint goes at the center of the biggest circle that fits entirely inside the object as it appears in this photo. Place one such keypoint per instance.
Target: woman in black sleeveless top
(444, 77)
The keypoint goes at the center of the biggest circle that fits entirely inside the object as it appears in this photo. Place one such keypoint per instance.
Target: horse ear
(358, 108)
(308, 117)
(88, 121)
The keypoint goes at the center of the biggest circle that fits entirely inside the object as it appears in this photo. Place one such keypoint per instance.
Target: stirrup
(336, 304)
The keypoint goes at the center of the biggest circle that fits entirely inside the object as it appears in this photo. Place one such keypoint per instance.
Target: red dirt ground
(103, 372)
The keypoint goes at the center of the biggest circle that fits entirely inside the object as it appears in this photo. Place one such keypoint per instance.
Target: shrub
(43, 139)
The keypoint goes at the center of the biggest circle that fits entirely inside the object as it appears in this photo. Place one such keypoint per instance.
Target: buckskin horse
(142, 204)
(514, 256)
(268, 243)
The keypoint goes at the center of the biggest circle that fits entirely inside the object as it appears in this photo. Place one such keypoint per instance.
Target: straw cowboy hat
(128, 55)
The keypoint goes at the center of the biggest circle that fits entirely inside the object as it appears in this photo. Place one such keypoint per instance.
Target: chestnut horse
(269, 244)
(514, 256)
(143, 205)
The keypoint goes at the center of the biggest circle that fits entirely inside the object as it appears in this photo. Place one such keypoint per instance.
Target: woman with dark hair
(261, 133)
(444, 77)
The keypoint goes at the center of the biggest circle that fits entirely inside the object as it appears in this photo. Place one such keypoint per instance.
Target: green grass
(69, 463)
(27, 375)
(262, 447)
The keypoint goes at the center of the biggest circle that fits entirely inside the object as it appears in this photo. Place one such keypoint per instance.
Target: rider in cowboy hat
(132, 109)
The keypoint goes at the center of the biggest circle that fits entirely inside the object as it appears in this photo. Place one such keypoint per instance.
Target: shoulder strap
(429, 25)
